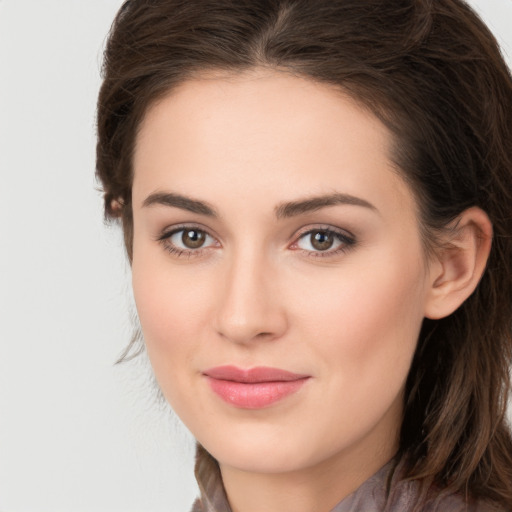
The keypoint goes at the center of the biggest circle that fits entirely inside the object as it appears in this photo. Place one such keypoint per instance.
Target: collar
(385, 491)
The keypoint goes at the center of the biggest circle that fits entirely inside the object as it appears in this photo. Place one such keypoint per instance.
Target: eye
(187, 240)
(323, 240)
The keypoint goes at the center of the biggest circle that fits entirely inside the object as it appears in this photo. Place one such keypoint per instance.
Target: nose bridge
(248, 306)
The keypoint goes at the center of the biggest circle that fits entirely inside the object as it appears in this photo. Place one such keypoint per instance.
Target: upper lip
(252, 375)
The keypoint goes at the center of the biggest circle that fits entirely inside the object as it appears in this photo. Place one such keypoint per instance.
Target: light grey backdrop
(76, 433)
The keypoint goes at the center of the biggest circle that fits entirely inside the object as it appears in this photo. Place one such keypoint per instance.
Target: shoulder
(406, 496)
(456, 503)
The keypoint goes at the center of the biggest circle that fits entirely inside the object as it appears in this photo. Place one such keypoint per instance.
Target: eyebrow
(180, 201)
(293, 208)
(284, 210)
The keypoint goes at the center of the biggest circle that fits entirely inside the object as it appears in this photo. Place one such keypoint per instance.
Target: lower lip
(254, 395)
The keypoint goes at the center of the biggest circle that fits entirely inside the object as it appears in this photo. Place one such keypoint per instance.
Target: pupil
(322, 240)
(193, 238)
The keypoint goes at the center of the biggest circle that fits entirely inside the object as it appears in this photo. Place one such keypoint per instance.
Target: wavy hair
(432, 72)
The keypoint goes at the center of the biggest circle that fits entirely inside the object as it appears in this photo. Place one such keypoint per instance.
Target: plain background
(77, 433)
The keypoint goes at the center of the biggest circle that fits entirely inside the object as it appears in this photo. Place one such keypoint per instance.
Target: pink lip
(253, 388)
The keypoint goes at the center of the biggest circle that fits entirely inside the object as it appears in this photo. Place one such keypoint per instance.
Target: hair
(432, 72)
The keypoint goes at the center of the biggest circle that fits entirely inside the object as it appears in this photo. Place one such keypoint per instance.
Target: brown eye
(189, 240)
(325, 241)
(321, 240)
(193, 238)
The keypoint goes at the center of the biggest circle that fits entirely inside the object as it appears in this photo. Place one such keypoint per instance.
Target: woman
(315, 197)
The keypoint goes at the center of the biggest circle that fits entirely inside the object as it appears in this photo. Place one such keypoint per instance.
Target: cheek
(367, 320)
(169, 304)
(169, 315)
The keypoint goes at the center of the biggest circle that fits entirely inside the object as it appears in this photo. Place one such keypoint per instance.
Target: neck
(317, 487)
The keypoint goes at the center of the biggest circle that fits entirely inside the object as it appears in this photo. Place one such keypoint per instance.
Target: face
(278, 270)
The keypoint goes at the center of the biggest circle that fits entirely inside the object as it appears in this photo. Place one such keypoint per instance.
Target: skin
(258, 293)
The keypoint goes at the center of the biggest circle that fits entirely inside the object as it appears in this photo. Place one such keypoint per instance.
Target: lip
(253, 388)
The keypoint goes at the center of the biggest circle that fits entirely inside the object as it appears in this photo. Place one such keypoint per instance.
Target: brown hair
(433, 73)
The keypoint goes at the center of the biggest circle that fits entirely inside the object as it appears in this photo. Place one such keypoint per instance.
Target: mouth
(253, 388)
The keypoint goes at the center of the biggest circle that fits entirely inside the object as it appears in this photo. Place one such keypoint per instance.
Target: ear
(116, 207)
(458, 265)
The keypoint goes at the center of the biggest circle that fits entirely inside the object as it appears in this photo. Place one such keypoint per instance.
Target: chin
(256, 460)
(264, 454)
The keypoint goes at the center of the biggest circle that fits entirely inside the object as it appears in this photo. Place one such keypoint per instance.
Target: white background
(76, 433)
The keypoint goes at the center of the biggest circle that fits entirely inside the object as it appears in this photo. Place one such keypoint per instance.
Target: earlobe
(459, 263)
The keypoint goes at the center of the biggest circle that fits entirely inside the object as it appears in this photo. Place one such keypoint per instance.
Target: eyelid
(175, 228)
(167, 233)
(325, 227)
(346, 237)
(344, 233)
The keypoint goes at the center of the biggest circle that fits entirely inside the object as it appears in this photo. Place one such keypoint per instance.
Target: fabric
(371, 496)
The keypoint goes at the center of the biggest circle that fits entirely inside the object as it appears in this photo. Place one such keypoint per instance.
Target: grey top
(371, 496)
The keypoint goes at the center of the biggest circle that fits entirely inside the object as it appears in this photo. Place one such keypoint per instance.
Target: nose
(249, 307)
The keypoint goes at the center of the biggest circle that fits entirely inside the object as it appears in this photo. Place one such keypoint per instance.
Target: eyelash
(346, 240)
(164, 239)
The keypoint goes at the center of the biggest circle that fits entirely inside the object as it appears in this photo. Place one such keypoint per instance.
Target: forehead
(256, 131)
(256, 103)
